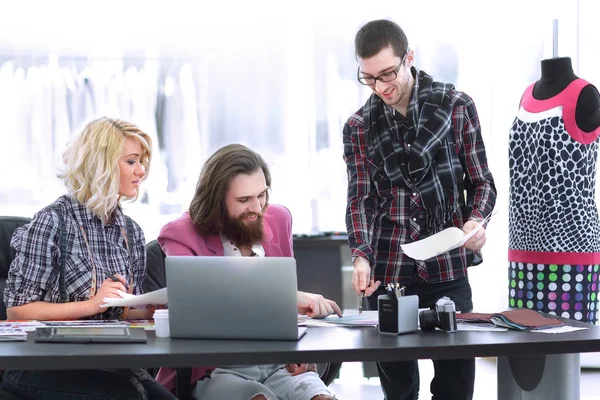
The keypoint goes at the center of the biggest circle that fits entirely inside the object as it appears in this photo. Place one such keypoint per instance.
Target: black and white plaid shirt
(34, 273)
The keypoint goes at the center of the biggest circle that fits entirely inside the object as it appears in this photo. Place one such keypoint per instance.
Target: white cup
(161, 323)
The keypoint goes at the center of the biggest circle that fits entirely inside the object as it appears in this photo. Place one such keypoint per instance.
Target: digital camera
(443, 317)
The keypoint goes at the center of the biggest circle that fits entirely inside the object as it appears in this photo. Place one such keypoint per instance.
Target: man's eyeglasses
(385, 77)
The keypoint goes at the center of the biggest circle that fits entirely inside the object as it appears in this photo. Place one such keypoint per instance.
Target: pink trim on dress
(568, 100)
(551, 257)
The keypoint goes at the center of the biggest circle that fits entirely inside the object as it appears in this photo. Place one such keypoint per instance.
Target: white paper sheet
(560, 329)
(352, 318)
(310, 322)
(471, 326)
(441, 242)
(349, 319)
(129, 300)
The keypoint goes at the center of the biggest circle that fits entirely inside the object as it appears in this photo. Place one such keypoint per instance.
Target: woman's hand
(109, 288)
(147, 313)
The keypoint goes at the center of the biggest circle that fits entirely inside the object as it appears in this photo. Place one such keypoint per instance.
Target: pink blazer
(181, 238)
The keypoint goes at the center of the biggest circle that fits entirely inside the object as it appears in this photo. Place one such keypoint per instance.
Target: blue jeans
(453, 379)
(243, 382)
(83, 385)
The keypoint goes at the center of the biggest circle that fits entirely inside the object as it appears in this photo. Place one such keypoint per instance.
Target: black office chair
(156, 279)
(8, 225)
(155, 268)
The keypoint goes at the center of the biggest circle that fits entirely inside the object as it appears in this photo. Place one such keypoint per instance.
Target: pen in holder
(397, 313)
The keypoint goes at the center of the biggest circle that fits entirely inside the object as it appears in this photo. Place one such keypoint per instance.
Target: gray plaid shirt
(34, 273)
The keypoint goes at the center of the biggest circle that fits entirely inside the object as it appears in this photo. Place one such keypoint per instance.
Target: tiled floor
(353, 386)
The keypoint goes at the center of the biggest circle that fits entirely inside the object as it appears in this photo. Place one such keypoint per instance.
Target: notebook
(232, 298)
(11, 331)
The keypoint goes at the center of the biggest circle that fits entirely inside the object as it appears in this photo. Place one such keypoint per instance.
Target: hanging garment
(181, 131)
(12, 142)
(142, 91)
(554, 231)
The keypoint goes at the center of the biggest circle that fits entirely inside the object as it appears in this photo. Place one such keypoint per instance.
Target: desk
(323, 345)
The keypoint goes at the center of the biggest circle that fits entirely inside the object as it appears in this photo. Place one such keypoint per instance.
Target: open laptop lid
(232, 297)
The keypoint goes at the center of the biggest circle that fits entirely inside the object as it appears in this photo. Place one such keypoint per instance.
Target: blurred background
(279, 78)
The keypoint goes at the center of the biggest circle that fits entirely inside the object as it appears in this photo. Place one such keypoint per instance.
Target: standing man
(411, 152)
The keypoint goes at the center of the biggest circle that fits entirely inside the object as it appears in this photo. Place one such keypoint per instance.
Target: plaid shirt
(381, 216)
(34, 273)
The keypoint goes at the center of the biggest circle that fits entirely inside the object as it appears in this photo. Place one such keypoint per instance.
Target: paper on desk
(27, 326)
(472, 326)
(559, 329)
(129, 300)
(310, 322)
(12, 332)
(349, 319)
(367, 318)
(441, 242)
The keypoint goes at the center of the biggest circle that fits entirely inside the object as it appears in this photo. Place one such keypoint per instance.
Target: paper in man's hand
(441, 242)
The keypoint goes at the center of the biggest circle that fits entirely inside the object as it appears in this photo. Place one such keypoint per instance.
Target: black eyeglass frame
(388, 75)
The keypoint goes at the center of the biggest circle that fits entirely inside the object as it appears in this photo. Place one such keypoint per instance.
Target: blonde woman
(67, 256)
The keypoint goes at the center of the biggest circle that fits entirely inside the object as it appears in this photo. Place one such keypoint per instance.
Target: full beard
(244, 233)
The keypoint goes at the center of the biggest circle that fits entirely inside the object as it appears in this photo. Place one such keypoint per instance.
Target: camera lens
(428, 320)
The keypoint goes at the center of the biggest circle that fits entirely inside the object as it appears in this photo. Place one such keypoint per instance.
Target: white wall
(303, 55)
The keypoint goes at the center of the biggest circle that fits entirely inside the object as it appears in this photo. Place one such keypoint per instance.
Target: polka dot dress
(554, 229)
(569, 291)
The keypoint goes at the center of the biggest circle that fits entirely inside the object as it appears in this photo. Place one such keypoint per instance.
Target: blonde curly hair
(91, 163)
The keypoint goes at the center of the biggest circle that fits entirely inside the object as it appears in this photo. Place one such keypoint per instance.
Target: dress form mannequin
(557, 73)
(554, 227)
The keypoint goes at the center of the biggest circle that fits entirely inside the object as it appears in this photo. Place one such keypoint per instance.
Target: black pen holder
(398, 317)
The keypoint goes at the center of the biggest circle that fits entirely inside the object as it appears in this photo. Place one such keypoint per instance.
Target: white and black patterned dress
(554, 231)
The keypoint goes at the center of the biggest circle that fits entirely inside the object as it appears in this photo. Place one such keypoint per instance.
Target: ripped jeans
(275, 382)
(119, 384)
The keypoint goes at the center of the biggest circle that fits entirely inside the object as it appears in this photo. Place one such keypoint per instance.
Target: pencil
(362, 300)
(115, 279)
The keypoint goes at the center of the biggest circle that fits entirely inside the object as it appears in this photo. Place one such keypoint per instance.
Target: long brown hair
(208, 209)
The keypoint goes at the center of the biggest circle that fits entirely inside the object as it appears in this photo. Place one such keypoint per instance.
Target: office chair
(8, 225)
(156, 279)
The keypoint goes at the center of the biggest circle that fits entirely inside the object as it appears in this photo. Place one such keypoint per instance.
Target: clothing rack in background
(555, 38)
(47, 56)
(46, 98)
(139, 61)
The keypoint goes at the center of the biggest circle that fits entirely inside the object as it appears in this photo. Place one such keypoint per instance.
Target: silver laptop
(232, 298)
